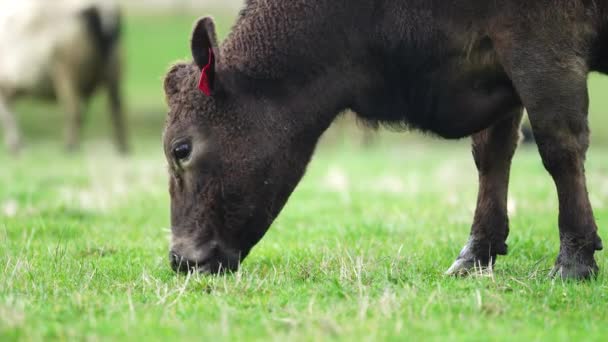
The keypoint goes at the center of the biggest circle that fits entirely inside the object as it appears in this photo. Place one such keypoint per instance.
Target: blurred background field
(357, 254)
(155, 37)
(153, 41)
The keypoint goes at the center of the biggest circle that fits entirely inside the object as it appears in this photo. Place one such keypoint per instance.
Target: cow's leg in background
(72, 102)
(12, 137)
(113, 81)
(493, 151)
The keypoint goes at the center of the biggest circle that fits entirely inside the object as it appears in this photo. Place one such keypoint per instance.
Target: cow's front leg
(493, 150)
(12, 137)
(70, 98)
(113, 80)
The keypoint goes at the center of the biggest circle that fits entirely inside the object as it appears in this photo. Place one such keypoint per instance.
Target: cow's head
(233, 161)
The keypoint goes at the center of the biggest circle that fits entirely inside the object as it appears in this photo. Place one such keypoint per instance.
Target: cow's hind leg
(12, 137)
(562, 134)
(554, 90)
(493, 151)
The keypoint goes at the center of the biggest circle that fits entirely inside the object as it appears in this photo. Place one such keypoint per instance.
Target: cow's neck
(297, 59)
(274, 40)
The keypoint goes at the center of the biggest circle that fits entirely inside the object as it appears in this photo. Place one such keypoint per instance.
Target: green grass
(357, 254)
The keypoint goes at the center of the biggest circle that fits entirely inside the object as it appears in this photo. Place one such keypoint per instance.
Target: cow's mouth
(216, 262)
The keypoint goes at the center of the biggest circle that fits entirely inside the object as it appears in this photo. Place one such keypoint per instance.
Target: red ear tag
(204, 83)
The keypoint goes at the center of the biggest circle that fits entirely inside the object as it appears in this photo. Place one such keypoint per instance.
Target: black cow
(245, 116)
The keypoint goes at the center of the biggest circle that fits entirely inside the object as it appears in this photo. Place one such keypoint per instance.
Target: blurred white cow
(60, 50)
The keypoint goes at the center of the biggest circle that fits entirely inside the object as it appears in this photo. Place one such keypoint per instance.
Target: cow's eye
(182, 151)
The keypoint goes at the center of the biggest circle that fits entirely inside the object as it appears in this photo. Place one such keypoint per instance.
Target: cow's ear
(205, 53)
(176, 75)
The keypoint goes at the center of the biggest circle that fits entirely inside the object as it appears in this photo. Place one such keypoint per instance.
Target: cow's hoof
(576, 259)
(465, 267)
(124, 150)
(72, 148)
(472, 259)
(461, 267)
(15, 148)
(574, 268)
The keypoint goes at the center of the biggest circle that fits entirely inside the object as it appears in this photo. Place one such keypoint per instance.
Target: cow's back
(437, 62)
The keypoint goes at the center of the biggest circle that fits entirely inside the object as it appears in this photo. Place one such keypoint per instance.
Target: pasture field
(358, 253)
